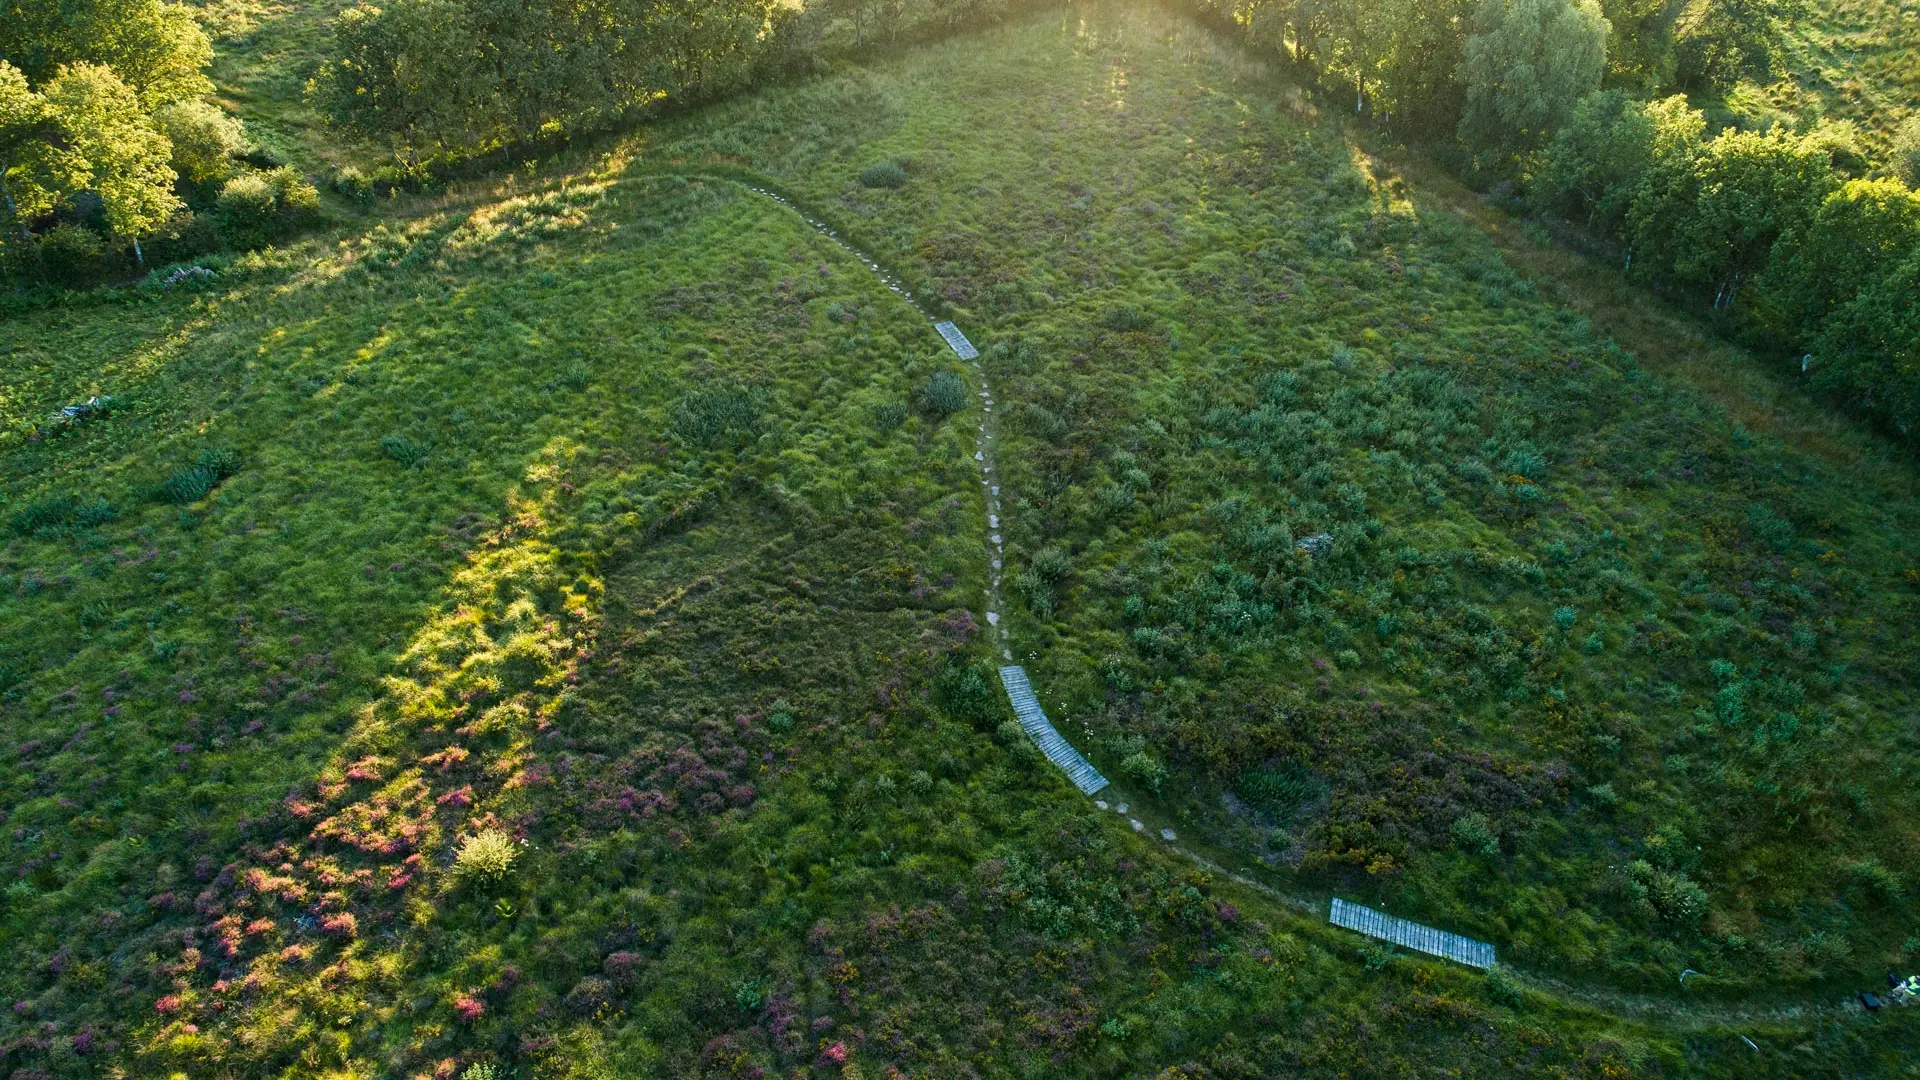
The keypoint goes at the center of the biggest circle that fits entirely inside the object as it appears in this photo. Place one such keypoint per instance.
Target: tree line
(107, 138)
(457, 76)
(105, 130)
(1582, 104)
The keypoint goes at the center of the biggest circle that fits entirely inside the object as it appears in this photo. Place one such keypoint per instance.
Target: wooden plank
(1413, 935)
(956, 340)
(1033, 719)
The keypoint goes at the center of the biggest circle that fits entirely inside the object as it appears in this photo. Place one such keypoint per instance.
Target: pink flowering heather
(468, 1008)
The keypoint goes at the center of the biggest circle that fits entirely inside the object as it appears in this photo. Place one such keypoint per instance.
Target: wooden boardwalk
(1040, 730)
(957, 340)
(1426, 939)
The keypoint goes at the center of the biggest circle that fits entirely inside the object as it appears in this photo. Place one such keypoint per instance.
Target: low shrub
(1051, 564)
(1145, 769)
(255, 209)
(205, 140)
(780, 718)
(1504, 989)
(485, 856)
(964, 691)
(408, 453)
(56, 514)
(883, 174)
(944, 395)
(1474, 833)
(71, 254)
(1278, 790)
(352, 184)
(1036, 591)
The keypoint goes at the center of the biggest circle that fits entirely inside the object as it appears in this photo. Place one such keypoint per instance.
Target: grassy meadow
(1416, 583)
(1853, 60)
(539, 631)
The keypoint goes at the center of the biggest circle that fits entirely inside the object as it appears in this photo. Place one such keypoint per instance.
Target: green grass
(1853, 60)
(624, 515)
(1246, 337)
(264, 53)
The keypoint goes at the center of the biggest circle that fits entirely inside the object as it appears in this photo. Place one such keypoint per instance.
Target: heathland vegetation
(508, 599)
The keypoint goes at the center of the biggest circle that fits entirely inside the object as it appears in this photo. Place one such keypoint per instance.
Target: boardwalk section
(1040, 730)
(1379, 924)
(956, 340)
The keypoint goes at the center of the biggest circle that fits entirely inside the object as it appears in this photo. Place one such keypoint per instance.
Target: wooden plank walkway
(957, 340)
(1040, 730)
(1379, 924)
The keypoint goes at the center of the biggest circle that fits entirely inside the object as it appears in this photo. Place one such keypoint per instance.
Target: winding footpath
(1665, 1011)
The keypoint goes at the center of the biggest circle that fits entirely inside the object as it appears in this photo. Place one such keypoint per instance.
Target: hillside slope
(1460, 605)
(545, 634)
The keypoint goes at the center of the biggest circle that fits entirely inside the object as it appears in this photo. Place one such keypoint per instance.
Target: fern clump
(485, 856)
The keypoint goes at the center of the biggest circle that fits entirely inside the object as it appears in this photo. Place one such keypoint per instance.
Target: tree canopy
(1526, 65)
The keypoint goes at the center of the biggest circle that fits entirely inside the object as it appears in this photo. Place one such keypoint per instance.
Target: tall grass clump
(723, 416)
(883, 174)
(943, 395)
(195, 482)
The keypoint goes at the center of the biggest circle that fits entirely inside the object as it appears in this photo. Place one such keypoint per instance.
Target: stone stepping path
(1379, 924)
(1365, 920)
(1019, 691)
(1034, 719)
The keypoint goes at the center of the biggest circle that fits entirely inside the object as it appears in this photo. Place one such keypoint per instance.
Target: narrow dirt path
(1672, 1012)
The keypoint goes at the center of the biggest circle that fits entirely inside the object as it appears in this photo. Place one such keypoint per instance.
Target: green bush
(1905, 158)
(963, 690)
(883, 174)
(352, 184)
(1035, 590)
(1503, 988)
(1279, 790)
(256, 208)
(485, 856)
(944, 395)
(59, 513)
(1012, 735)
(1051, 564)
(71, 254)
(780, 718)
(1144, 769)
(1877, 879)
(205, 140)
(404, 450)
(1474, 833)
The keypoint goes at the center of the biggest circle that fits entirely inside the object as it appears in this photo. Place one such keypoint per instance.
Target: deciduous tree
(1526, 65)
(1859, 231)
